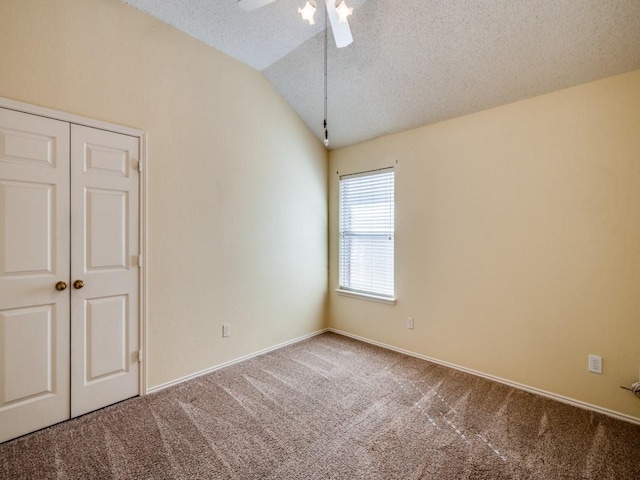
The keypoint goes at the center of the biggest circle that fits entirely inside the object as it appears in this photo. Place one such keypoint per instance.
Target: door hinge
(140, 260)
(140, 166)
(139, 356)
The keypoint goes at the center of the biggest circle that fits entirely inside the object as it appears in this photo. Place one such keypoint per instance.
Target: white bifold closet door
(69, 279)
(104, 257)
(34, 257)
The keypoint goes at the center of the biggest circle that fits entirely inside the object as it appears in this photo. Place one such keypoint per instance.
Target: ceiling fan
(337, 16)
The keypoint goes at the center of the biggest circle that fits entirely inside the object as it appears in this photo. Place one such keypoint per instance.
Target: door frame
(142, 205)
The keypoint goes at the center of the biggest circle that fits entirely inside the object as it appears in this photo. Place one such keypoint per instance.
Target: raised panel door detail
(68, 211)
(106, 337)
(28, 355)
(107, 233)
(18, 146)
(34, 255)
(104, 240)
(103, 160)
(26, 228)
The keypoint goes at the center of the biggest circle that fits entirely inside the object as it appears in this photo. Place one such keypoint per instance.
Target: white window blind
(367, 233)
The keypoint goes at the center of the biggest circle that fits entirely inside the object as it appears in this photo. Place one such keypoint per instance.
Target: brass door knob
(60, 286)
(78, 284)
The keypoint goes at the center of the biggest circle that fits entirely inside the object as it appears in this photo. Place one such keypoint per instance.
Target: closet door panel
(34, 258)
(105, 249)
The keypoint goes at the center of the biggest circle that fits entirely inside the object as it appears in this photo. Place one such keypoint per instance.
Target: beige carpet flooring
(332, 408)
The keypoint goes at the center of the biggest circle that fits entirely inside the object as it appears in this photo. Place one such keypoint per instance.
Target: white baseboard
(171, 383)
(519, 386)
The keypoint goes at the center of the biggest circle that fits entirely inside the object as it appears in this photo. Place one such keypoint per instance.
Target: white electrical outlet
(226, 330)
(410, 323)
(595, 363)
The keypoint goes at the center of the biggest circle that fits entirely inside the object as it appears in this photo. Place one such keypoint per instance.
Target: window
(367, 233)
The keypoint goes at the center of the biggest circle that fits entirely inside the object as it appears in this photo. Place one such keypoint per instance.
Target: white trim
(365, 296)
(68, 117)
(143, 306)
(191, 376)
(366, 173)
(142, 192)
(519, 386)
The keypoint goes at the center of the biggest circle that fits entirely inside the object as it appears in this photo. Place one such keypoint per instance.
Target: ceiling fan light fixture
(308, 12)
(343, 12)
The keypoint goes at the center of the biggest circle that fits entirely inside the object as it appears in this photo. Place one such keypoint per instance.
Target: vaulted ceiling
(416, 62)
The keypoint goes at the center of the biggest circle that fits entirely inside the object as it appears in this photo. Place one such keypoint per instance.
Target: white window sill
(365, 296)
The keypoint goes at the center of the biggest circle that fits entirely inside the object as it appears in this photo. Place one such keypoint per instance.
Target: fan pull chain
(326, 131)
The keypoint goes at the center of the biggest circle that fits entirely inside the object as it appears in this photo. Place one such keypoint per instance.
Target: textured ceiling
(416, 62)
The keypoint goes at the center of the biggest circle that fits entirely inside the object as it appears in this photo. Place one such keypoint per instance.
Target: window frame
(377, 296)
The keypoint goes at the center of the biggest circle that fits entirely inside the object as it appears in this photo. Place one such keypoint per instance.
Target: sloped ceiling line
(416, 62)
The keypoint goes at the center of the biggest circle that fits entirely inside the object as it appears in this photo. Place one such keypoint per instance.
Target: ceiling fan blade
(250, 5)
(341, 31)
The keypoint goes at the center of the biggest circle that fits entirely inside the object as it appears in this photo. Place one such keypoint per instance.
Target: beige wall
(236, 182)
(518, 241)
